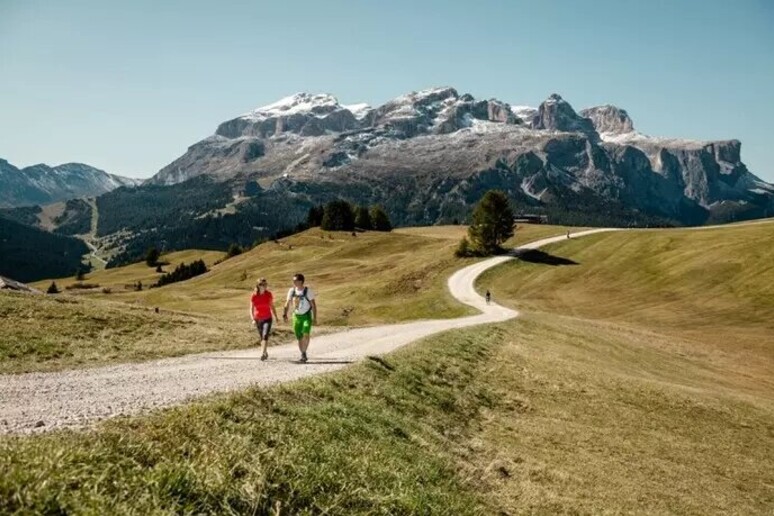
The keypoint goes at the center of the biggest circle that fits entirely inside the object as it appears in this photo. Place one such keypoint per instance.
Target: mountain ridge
(43, 184)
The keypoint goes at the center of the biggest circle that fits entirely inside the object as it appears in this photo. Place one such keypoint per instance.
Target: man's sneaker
(303, 357)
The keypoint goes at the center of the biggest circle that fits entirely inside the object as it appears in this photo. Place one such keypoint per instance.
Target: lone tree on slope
(492, 223)
(152, 257)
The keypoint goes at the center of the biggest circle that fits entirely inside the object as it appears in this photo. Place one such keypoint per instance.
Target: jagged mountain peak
(555, 97)
(556, 114)
(609, 119)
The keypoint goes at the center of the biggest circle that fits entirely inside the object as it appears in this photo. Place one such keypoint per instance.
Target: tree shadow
(538, 256)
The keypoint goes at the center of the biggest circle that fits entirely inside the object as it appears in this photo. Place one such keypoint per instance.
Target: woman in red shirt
(261, 311)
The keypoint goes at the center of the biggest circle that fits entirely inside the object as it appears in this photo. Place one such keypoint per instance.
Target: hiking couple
(304, 312)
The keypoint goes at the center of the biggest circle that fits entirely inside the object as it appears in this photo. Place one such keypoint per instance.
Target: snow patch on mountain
(319, 104)
(359, 110)
(636, 138)
(525, 113)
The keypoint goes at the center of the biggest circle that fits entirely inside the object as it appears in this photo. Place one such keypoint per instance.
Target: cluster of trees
(182, 272)
(491, 225)
(340, 215)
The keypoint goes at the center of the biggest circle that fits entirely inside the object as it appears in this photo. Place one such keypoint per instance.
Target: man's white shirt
(304, 304)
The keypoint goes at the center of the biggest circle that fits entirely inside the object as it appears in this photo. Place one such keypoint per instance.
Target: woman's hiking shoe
(264, 356)
(303, 357)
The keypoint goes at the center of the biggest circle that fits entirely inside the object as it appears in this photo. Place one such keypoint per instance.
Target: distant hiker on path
(304, 312)
(488, 296)
(261, 311)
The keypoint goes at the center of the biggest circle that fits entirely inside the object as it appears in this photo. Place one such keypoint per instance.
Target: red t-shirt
(262, 305)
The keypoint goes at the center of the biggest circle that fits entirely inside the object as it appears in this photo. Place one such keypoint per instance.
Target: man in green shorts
(304, 312)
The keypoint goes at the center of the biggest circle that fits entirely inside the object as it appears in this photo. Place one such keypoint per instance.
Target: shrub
(152, 257)
(234, 250)
(463, 249)
(52, 289)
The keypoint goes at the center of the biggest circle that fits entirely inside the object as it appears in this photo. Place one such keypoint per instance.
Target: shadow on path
(290, 361)
(537, 256)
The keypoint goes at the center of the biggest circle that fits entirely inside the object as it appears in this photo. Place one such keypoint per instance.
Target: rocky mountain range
(452, 144)
(42, 184)
(427, 157)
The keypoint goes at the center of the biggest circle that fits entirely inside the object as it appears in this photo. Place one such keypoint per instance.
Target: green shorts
(302, 324)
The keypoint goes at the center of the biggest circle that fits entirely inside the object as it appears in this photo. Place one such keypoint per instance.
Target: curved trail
(44, 401)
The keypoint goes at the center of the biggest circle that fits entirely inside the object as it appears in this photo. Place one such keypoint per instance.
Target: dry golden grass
(596, 417)
(635, 382)
(714, 287)
(50, 333)
(120, 279)
(371, 278)
(640, 379)
(368, 279)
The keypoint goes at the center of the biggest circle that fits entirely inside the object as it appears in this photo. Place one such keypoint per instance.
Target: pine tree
(363, 218)
(152, 257)
(315, 216)
(379, 219)
(338, 216)
(492, 223)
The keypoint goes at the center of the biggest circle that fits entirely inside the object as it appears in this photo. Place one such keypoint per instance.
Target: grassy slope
(714, 288)
(369, 279)
(119, 278)
(381, 277)
(368, 440)
(653, 391)
(48, 333)
(549, 413)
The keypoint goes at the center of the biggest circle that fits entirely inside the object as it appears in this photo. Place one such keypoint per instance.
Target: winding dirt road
(37, 402)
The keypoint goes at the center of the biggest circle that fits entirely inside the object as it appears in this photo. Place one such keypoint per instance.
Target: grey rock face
(556, 114)
(609, 119)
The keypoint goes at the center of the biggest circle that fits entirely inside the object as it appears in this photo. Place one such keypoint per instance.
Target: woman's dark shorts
(264, 328)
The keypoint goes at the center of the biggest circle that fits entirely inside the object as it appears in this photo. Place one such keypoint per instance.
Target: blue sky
(128, 86)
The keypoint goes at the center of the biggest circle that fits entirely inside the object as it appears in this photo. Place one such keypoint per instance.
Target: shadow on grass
(537, 256)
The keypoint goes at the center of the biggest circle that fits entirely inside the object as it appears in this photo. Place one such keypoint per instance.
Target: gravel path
(36, 402)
